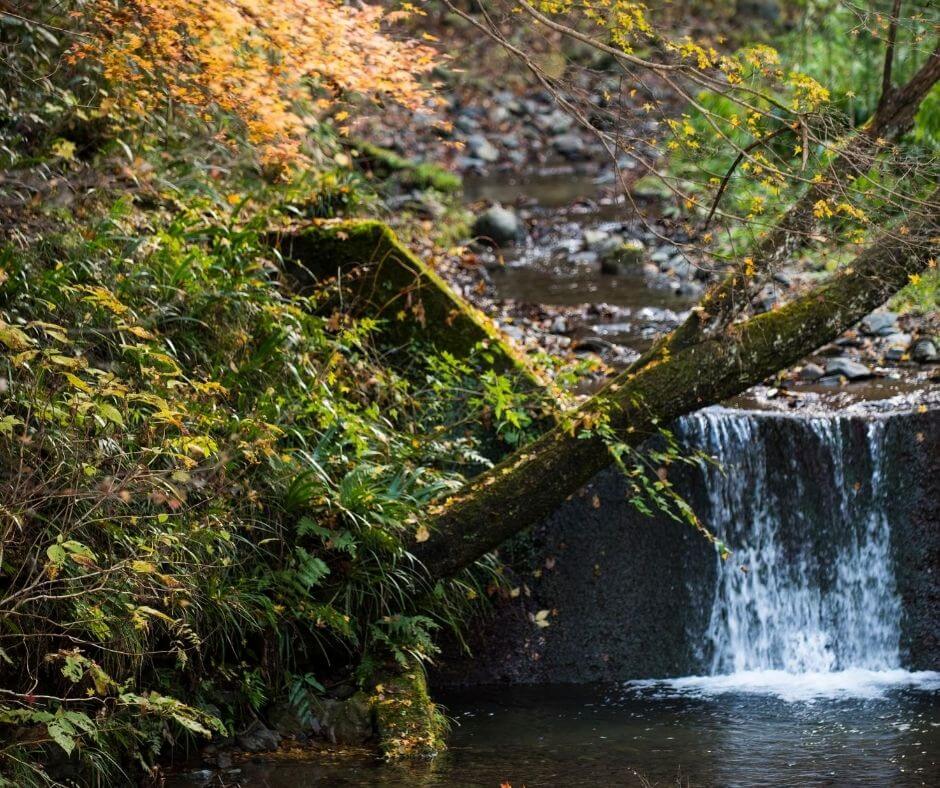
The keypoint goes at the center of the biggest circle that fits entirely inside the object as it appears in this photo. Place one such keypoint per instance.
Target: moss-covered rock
(408, 723)
(384, 163)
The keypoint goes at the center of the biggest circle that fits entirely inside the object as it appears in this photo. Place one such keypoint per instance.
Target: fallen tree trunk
(531, 483)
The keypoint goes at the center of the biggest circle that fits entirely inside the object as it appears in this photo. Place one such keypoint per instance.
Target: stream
(802, 672)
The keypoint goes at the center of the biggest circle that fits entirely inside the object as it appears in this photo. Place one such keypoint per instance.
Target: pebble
(925, 352)
(852, 370)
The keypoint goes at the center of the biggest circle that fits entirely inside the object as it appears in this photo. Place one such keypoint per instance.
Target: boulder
(347, 721)
(257, 737)
(852, 370)
(479, 147)
(811, 372)
(925, 352)
(499, 226)
(880, 324)
(571, 146)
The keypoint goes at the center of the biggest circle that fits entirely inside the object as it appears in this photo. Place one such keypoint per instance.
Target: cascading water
(781, 602)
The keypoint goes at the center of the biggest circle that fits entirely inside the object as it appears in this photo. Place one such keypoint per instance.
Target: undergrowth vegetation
(206, 481)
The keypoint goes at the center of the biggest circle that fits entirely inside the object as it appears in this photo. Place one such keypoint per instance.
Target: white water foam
(807, 607)
(854, 683)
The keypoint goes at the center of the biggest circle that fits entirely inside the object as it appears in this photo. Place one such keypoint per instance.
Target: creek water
(802, 681)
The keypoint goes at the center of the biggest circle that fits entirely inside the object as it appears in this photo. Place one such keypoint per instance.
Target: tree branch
(532, 482)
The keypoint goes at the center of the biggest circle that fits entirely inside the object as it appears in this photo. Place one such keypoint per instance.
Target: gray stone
(925, 352)
(481, 148)
(466, 124)
(499, 226)
(895, 354)
(811, 372)
(664, 253)
(594, 238)
(681, 266)
(555, 122)
(346, 721)
(499, 115)
(559, 325)
(898, 340)
(847, 368)
(571, 146)
(257, 737)
(880, 324)
(584, 258)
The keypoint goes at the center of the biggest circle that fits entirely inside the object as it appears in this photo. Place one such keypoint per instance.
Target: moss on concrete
(390, 283)
(408, 723)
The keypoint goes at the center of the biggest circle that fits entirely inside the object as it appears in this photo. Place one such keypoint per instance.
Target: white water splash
(807, 606)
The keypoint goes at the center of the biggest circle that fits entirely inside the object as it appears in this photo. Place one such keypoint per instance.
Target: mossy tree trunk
(893, 118)
(531, 483)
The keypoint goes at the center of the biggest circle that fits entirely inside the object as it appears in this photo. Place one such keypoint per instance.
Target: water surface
(668, 734)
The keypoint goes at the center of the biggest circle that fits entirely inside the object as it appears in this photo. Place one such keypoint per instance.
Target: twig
(734, 165)
(886, 88)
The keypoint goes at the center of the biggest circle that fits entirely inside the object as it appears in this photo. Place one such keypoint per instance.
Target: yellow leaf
(64, 149)
(13, 337)
(422, 534)
(78, 383)
(110, 413)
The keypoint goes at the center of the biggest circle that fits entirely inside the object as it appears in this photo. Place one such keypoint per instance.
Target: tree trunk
(532, 482)
(893, 118)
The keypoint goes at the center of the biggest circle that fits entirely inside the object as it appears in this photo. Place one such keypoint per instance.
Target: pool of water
(861, 728)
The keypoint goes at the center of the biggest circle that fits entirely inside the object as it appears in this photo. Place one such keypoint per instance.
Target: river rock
(347, 721)
(479, 147)
(555, 122)
(466, 124)
(898, 340)
(257, 737)
(499, 226)
(571, 146)
(681, 266)
(852, 370)
(623, 258)
(594, 239)
(499, 115)
(811, 372)
(664, 253)
(880, 324)
(925, 352)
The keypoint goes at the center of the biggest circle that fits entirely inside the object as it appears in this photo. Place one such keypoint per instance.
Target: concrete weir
(834, 524)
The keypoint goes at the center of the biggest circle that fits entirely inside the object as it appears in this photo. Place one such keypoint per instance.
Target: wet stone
(499, 226)
(925, 352)
(571, 146)
(811, 372)
(481, 148)
(258, 738)
(852, 370)
(880, 324)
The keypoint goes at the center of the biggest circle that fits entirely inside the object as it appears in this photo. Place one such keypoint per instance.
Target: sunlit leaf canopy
(269, 65)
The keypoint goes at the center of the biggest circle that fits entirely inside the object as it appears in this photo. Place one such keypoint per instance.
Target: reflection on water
(611, 736)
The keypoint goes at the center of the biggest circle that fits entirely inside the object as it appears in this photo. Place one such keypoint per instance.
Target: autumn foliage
(264, 64)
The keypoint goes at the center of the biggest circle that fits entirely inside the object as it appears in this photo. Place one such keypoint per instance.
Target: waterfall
(802, 504)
